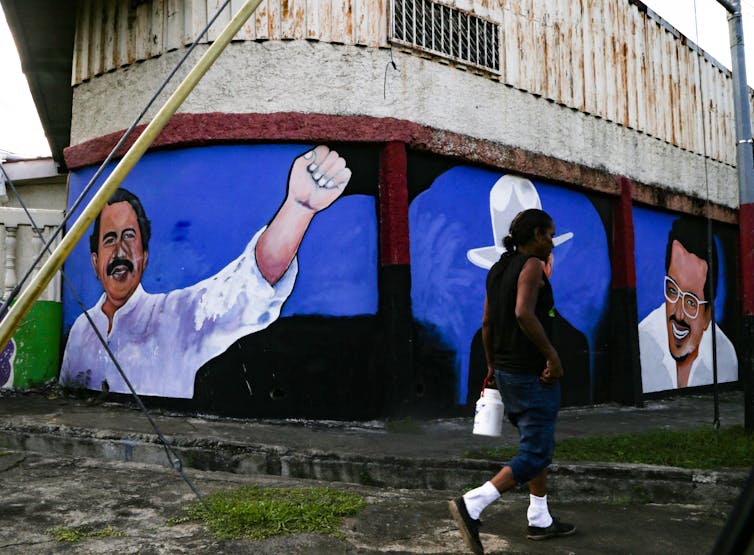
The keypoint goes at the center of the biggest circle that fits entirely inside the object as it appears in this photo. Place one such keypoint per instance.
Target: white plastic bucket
(488, 418)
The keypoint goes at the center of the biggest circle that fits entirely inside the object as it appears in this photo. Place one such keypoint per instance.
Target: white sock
(538, 513)
(477, 499)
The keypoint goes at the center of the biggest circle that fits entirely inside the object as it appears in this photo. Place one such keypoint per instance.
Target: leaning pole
(23, 304)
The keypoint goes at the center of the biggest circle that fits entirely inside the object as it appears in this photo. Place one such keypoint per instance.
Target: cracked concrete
(42, 493)
(67, 463)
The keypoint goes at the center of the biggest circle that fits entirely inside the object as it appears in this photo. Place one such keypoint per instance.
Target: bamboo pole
(23, 304)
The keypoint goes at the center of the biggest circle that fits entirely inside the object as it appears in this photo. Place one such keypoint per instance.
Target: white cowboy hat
(509, 195)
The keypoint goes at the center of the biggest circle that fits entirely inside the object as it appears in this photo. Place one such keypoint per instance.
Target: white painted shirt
(161, 340)
(658, 367)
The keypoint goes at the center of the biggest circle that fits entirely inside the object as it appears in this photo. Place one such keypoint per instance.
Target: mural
(177, 278)
(452, 247)
(188, 266)
(675, 293)
(7, 357)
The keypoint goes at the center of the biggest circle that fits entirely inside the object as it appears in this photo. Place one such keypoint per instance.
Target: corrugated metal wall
(607, 58)
(114, 33)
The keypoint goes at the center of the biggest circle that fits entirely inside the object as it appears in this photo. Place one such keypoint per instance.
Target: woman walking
(516, 331)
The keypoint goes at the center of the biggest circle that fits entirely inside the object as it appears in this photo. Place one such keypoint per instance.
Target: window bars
(447, 32)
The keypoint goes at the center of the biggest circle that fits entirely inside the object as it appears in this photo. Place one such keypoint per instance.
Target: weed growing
(405, 425)
(703, 448)
(79, 533)
(255, 513)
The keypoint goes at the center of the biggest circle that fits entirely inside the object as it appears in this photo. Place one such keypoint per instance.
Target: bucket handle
(484, 384)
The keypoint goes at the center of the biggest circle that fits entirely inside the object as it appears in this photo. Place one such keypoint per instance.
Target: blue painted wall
(447, 294)
(206, 203)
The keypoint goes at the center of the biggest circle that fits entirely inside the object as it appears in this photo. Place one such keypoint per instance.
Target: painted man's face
(120, 259)
(689, 273)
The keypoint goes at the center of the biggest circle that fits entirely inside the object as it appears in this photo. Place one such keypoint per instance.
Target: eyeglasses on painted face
(690, 302)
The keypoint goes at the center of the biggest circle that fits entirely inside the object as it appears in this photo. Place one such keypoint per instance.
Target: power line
(710, 242)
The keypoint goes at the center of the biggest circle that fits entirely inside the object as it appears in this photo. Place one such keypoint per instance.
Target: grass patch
(703, 448)
(79, 533)
(405, 425)
(255, 513)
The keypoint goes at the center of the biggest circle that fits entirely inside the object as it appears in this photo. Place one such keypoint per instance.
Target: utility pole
(745, 168)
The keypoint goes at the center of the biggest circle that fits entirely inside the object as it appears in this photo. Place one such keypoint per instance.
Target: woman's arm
(530, 280)
(487, 339)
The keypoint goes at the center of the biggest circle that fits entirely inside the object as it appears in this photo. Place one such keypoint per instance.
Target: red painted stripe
(201, 129)
(186, 130)
(394, 243)
(746, 243)
(624, 265)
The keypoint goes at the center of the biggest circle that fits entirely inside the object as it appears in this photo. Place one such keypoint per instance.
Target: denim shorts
(532, 407)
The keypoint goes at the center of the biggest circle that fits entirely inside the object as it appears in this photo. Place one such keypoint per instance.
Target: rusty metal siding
(222, 19)
(114, 33)
(607, 58)
(633, 69)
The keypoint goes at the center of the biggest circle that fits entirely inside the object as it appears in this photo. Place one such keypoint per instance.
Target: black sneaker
(468, 526)
(555, 529)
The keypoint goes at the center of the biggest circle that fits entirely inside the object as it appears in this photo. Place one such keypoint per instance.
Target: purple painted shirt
(162, 340)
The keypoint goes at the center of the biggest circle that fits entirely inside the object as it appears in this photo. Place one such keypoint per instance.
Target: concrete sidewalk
(363, 452)
(406, 476)
(137, 500)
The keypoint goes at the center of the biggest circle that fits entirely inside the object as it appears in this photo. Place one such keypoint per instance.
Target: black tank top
(513, 350)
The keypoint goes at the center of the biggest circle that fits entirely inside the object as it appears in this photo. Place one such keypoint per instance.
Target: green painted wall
(37, 357)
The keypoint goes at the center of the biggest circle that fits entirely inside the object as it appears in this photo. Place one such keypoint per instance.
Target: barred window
(447, 32)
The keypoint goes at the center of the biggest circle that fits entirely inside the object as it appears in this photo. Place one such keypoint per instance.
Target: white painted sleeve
(221, 309)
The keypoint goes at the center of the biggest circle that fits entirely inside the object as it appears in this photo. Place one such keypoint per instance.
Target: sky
(713, 35)
(22, 133)
(20, 129)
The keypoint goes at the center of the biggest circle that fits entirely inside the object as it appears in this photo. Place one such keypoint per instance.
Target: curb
(615, 482)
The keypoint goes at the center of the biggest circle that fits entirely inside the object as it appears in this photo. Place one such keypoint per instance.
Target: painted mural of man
(161, 340)
(675, 339)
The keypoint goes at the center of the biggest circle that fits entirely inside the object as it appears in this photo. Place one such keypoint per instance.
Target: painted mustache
(680, 323)
(680, 330)
(116, 262)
